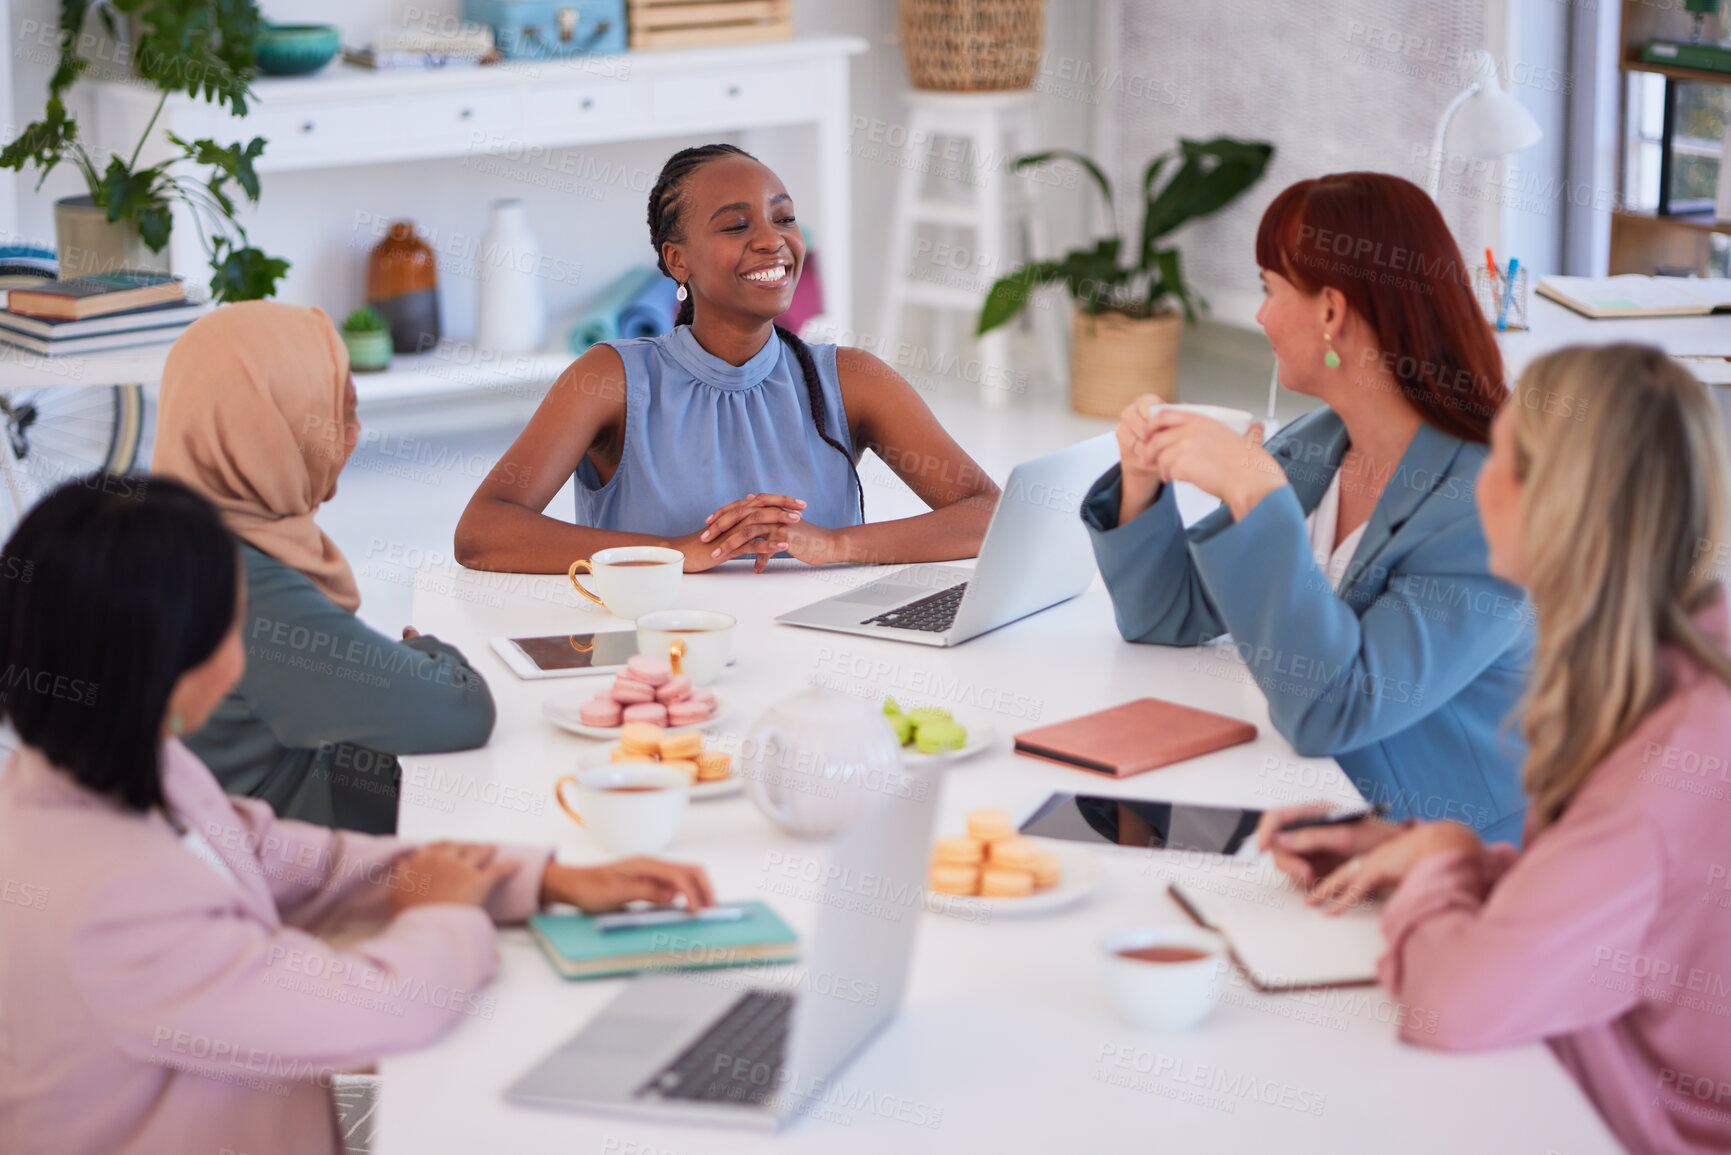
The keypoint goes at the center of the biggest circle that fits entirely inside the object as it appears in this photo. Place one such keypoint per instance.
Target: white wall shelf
(348, 117)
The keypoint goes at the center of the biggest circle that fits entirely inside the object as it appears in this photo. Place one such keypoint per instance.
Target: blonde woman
(1605, 495)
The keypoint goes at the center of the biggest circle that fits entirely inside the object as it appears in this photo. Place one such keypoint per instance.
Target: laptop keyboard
(933, 614)
(738, 1060)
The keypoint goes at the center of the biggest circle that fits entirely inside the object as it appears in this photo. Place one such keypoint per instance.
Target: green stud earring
(174, 723)
(1330, 358)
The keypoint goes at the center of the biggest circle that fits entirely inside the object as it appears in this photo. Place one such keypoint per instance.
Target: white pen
(626, 920)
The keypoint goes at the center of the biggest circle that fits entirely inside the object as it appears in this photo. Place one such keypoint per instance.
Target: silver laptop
(1036, 554)
(756, 1049)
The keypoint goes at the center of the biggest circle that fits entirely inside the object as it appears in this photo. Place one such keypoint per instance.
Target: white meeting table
(1004, 1041)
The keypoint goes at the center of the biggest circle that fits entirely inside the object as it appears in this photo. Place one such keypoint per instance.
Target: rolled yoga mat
(650, 313)
(630, 306)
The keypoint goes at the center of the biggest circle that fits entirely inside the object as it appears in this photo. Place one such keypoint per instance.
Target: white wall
(1340, 85)
(587, 208)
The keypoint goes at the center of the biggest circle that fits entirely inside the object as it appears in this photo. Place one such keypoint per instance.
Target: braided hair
(666, 200)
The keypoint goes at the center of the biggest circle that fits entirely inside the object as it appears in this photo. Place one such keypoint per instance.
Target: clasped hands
(763, 524)
(1174, 445)
(1341, 866)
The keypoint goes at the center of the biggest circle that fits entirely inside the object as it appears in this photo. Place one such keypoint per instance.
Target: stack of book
(464, 46)
(89, 314)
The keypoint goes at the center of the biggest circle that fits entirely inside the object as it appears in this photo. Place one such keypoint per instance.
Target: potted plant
(203, 48)
(1129, 313)
(368, 339)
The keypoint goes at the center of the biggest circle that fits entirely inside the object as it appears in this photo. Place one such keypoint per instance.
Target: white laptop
(1036, 554)
(720, 1047)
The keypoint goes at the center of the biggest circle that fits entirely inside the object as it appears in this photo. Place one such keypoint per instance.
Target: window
(1676, 141)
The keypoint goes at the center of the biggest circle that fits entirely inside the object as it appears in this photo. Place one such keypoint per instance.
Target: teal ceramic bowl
(296, 49)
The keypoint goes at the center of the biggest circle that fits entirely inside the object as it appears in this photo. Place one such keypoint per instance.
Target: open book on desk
(1280, 942)
(1638, 295)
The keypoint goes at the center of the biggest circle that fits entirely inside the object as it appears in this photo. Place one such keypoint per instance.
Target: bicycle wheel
(70, 431)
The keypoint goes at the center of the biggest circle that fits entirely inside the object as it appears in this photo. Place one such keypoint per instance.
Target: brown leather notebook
(1134, 738)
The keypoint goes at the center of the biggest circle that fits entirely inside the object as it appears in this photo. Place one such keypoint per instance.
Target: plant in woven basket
(200, 47)
(1209, 175)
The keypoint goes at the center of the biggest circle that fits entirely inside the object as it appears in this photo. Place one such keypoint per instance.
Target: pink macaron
(703, 695)
(648, 670)
(601, 711)
(675, 689)
(653, 712)
(688, 712)
(630, 691)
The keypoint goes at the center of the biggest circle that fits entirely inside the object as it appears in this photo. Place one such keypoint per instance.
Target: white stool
(992, 130)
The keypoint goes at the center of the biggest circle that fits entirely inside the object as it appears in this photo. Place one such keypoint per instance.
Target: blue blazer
(1405, 677)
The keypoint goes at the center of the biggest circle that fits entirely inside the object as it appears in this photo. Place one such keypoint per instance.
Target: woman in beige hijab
(258, 414)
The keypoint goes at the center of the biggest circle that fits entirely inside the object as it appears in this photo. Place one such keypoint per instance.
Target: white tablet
(567, 655)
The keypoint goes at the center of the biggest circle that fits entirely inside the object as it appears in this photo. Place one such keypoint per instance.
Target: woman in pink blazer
(162, 984)
(1605, 494)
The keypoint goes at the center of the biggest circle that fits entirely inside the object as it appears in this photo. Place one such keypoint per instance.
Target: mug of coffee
(632, 580)
(1237, 420)
(1165, 978)
(696, 643)
(630, 807)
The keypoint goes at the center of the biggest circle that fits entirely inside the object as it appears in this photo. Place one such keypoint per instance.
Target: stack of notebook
(89, 314)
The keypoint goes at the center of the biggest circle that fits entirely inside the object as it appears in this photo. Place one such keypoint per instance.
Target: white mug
(1165, 996)
(630, 807)
(1237, 420)
(632, 580)
(696, 643)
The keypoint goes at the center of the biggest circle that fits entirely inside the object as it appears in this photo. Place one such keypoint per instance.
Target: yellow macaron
(1001, 882)
(960, 850)
(990, 824)
(954, 878)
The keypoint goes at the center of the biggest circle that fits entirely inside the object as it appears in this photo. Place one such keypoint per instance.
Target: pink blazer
(151, 1002)
(1610, 937)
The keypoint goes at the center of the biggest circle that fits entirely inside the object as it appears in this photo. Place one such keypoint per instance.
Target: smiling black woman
(729, 437)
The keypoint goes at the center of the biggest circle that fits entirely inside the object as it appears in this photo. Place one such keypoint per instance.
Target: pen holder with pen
(1490, 286)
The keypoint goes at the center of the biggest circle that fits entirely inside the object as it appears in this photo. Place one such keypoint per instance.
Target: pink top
(1610, 937)
(153, 1002)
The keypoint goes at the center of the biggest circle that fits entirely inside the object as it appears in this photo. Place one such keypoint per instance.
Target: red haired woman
(1347, 561)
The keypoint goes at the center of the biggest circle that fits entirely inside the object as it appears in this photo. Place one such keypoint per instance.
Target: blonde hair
(1623, 512)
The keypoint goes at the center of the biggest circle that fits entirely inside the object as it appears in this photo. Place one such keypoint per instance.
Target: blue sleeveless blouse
(700, 433)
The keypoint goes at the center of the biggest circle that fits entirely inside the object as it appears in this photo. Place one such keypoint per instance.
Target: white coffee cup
(1164, 996)
(630, 807)
(1237, 420)
(697, 643)
(632, 580)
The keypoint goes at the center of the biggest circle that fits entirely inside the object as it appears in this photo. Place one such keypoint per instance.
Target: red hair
(1381, 242)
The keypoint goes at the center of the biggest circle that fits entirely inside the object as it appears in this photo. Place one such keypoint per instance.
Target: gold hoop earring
(1330, 358)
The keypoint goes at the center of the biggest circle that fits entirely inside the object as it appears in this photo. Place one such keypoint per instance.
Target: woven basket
(1114, 359)
(972, 45)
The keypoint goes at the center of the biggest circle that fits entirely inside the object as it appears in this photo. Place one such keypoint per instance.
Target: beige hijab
(251, 416)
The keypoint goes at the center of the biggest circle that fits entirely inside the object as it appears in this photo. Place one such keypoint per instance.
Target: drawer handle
(307, 126)
(467, 113)
(588, 103)
(733, 90)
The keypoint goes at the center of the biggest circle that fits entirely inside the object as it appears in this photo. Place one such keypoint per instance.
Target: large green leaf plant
(205, 49)
(1209, 175)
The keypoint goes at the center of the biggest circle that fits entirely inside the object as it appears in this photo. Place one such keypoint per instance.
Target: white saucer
(1081, 876)
(563, 713)
(700, 791)
(980, 736)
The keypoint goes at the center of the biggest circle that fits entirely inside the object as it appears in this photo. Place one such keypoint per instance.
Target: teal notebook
(578, 951)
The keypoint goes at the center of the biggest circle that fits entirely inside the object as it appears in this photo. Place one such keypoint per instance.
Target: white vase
(513, 317)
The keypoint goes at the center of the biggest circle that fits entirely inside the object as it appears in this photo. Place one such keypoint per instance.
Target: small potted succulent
(368, 339)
